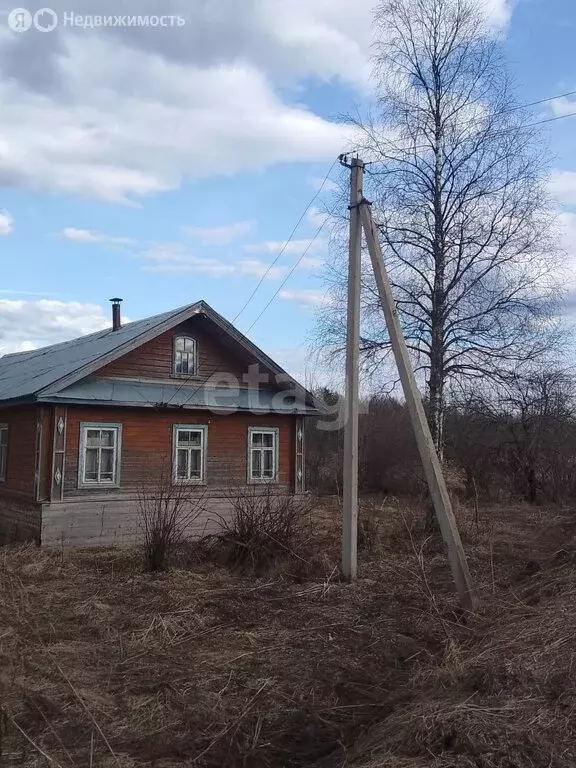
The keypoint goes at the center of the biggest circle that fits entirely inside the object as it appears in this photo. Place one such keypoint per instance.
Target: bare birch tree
(458, 191)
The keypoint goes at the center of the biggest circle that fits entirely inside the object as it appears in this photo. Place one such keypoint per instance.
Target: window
(262, 455)
(3, 451)
(99, 455)
(185, 356)
(189, 455)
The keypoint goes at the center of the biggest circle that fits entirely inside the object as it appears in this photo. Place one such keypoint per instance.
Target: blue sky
(166, 166)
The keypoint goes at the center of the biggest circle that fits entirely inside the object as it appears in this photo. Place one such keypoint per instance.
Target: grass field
(104, 665)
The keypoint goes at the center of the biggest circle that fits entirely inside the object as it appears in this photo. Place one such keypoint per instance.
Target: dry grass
(103, 665)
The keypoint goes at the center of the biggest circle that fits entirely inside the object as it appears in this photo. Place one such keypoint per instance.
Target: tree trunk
(436, 399)
(437, 315)
(531, 489)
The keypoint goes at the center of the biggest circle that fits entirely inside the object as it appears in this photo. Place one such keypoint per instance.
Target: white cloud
(310, 262)
(568, 225)
(317, 218)
(326, 185)
(176, 258)
(563, 106)
(307, 368)
(222, 235)
(563, 186)
(499, 12)
(6, 223)
(26, 325)
(275, 246)
(89, 236)
(15, 292)
(165, 105)
(257, 268)
(306, 297)
(139, 124)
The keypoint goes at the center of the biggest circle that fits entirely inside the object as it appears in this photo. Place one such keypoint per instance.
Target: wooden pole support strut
(428, 455)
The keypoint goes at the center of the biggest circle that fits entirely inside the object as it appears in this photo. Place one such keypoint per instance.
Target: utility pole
(428, 455)
(350, 481)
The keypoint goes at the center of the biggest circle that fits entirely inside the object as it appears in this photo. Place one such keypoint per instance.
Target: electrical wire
(283, 283)
(543, 101)
(289, 275)
(287, 243)
(488, 135)
(317, 234)
(263, 277)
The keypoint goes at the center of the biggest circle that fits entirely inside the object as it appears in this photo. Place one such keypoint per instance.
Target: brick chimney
(116, 318)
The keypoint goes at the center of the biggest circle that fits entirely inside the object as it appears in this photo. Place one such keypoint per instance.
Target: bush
(265, 526)
(167, 510)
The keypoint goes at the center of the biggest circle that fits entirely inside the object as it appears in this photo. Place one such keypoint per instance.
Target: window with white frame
(262, 455)
(99, 455)
(3, 451)
(185, 356)
(189, 455)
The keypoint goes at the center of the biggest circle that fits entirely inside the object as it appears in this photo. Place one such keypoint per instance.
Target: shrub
(265, 526)
(166, 511)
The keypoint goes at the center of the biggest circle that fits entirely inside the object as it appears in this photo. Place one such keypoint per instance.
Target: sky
(170, 164)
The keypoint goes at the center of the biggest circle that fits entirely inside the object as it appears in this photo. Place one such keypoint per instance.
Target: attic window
(185, 356)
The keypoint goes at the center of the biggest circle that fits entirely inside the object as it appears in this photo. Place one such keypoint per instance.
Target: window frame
(194, 353)
(84, 427)
(4, 474)
(275, 431)
(203, 429)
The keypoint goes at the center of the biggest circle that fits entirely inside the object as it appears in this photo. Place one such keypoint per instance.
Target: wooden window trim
(175, 373)
(203, 429)
(4, 472)
(84, 427)
(265, 431)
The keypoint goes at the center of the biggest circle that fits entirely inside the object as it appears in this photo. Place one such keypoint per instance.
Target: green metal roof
(51, 372)
(197, 397)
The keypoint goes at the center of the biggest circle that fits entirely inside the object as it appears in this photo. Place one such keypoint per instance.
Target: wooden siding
(20, 520)
(47, 420)
(21, 468)
(58, 468)
(147, 442)
(109, 522)
(154, 360)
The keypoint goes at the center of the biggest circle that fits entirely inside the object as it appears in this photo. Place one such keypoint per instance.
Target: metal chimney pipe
(116, 317)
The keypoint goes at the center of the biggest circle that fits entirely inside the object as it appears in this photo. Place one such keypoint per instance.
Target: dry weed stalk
(167, 510)
(211, 668)
(265, 526)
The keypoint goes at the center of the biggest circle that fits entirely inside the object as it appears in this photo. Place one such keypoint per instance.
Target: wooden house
(82, 423)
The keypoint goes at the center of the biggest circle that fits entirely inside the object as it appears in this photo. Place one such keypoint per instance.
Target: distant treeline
(518, 440)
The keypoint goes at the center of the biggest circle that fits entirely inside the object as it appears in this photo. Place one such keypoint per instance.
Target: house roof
(149, 395)
(47, 373)
(28, 373)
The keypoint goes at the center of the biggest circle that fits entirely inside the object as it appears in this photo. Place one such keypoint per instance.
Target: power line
(286, 244)
(505, 111)
(289, 275)
(488, 135)
(263, 277)
(319, 230)
(543, 101)
(547, 120)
